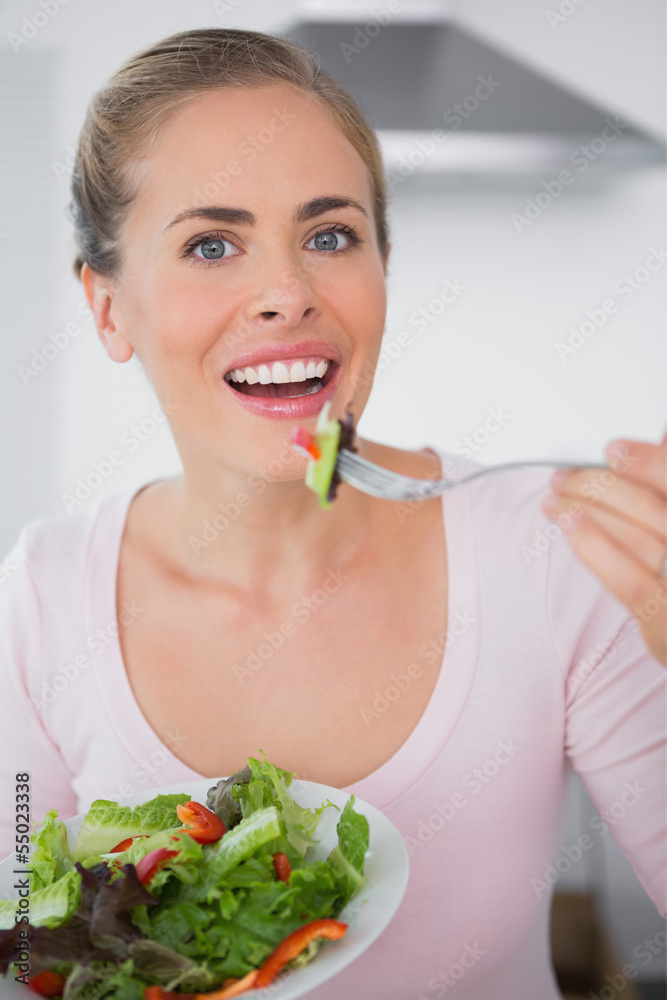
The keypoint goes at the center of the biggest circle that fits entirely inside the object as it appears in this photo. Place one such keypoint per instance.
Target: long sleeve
(616, 707)
(25, 746)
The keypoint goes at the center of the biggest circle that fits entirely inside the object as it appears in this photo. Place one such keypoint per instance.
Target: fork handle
(440, 486)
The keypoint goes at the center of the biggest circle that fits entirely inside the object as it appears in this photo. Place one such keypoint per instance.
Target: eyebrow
(242, 217)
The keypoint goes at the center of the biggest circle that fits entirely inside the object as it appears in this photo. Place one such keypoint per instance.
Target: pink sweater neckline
(426, 741)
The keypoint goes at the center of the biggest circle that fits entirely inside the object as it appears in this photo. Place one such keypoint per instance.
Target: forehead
(266, 149)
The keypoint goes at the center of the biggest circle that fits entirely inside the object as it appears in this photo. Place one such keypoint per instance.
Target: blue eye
(330, 240)
(214, 250)
(335, 239)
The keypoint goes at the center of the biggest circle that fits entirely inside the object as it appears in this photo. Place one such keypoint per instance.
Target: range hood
(446, 104)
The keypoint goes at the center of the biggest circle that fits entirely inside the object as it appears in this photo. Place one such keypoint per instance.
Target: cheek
(362, 308)
(186, 325)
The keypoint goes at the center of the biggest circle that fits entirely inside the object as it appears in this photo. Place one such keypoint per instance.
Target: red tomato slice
(205, 826)
(151, 863)
(47, 984)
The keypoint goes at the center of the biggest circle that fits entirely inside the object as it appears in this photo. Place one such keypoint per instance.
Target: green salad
(322, 450)
(174, 898)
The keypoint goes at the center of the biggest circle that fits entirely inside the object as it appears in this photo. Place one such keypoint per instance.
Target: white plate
(386, 869)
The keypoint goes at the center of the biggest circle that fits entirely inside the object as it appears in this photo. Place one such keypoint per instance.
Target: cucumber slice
(320, 473)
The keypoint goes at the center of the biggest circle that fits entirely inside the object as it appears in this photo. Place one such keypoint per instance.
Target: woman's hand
(616, 522)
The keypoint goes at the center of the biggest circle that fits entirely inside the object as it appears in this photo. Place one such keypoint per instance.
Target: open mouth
(283, 379)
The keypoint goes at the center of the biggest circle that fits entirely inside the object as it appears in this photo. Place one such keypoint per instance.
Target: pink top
(543, 671)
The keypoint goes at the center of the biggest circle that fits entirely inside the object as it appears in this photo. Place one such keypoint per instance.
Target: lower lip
(297, 408)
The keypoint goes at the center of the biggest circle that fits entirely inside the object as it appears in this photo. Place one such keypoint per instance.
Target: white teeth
(280, 371)
(298, 373)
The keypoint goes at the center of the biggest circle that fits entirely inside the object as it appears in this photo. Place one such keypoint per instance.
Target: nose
(287, 301)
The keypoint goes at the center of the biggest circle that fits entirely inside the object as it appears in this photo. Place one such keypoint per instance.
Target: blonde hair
(125, 116)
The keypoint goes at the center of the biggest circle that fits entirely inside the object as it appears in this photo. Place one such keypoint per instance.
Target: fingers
(639, 503)
(642, 461)
(616, 523)
(637, 543)
(630, 580)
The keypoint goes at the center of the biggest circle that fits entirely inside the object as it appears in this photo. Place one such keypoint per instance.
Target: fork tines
(380, 482)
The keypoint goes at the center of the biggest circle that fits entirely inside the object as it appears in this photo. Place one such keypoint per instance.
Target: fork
(387, 485)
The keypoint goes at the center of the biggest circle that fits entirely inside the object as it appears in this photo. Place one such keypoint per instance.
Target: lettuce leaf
(266, 787)
(49, 906)
(50, 858)
(99, 930)
(347, 858)
(220, 799)
(107, 823)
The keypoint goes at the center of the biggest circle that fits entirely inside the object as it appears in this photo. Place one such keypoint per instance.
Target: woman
(229, 204)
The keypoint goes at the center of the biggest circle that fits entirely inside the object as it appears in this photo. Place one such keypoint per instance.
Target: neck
(264, 538)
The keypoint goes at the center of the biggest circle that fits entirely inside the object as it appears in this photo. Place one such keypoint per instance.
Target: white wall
(523, 291)
(493, 348)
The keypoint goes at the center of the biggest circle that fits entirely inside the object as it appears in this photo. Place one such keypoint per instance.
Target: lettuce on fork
(213, 911)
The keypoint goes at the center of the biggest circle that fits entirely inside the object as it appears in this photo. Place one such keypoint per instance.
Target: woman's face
(251, 249)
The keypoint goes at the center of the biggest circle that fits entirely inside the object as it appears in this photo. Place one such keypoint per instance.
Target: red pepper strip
(231, 988)
(206, 827)
(47, 984)
(150, 864)
(124, 844)
(294, 944)
(304, 442)
(282, 866)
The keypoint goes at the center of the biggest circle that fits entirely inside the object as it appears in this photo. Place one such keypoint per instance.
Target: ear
(100, 294)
